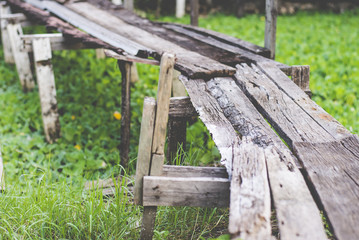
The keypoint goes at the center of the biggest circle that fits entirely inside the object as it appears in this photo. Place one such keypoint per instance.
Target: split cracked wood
(8, 56)
(47, 90)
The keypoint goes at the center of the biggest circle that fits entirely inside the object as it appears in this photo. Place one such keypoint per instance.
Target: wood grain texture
(186, 191)
(300, 76)
(291, 122)
(47, 89)
(186, 171)
(188, 62)
(318, 114)
(8, 56)
(288, 188)
(148, 223)
(22, 60)
(181, 107)
(271, 26)
(144, 147)
(333, 171)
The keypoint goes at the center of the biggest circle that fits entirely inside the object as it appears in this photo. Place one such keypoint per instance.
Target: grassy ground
(45, 197)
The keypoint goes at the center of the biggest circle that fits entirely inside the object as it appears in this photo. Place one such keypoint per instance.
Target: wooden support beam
(125, 68)
(271, 26)
(47, 90)
(180, 8)
(9, 58)
(144, 147)
(13, 17)
(300, 76)
(22, 60)
(128, 4)
(181, 107)
(186, 191)
(130, 58)
(186, 171)
(194, 12)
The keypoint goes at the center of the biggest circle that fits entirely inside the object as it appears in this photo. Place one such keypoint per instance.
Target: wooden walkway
(281, 150)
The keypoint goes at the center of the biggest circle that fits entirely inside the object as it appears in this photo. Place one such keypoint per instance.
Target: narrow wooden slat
(194, 191)
(145, 145)
(331, 125)
(8, 56)
(189, 63)
(22, 60)
(291, 122)
(130, 58)
(125, 68)
(288, 188)
(47, 90)
(333, 171)
(194, 12)
(271, 26)
(185, 171)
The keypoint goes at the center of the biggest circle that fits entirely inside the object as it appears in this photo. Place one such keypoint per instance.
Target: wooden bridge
(280, 149)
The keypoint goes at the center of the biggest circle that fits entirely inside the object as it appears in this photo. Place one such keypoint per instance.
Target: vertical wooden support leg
(100, 54)
(21, 58)
(180, 8)
(271, 26)
(47, 90)
(194, 12)
(125, 68)
(8, 56)
(117, 2)
(300, 76)
(134, 73)
(159, 135)
(177, 127)
(2, 175)
(128, 4)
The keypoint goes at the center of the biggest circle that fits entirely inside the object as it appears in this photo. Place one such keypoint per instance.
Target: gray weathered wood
(130, 58)
(333, 171)
(145, 146)
(22, 60)
(250, 204)
(300, 76)
(2, 173)
(148, 223)
(8, 56)
(271, 26)
(188, 62)
(128, 4)
(186, 191)
(291, 122)
(181, 107)
(186, 171)
(47, 90)
(289, 191)
(180, 8)
(312, 109)
(194, 12)
(163, 102)
(125, 68)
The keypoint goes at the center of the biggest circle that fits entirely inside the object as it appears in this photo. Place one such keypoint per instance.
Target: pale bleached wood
(187, 171)
(333, 172)
(134, 73)
(163, 102)
(181, 107)
(326, 121)
(2, 173)
(100, 54)
(188, 62)
(178, 90)
(271, 26)
(125, 68)
(128, 4)
(180, 8)
(22, 60)
(13, 17)
(47, 90)
(250, 203)
(117, 2)
(157, 161)
(130, 58)
(186, 191)
(145, 145)
(8, 56)
(291, 122)
(290, 193)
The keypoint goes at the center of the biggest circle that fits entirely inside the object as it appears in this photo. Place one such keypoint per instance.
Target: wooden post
(177, 127)
(159, 136)
(5, 36)
(300, 76)
(180, 8)
(100, 54)
(117, 2)
(128, 4)
(194, 12)
(125, 68)
(271, 26)
(47, 90)
(21, 58)
(2, 175)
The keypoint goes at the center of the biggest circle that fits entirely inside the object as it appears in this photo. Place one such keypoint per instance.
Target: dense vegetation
(45, 198)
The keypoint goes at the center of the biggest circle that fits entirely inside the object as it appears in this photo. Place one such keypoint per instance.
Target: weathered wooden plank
(291, 122)
(300, 76)
(47, 90)
(8, 56)
(186, 171)
(194, 12)
(189, 191)
(130, 58)
(271, 26)
(189, 63)
(22, 60)
(250, 205)
(125, 68)
(333, 171)
(145, 146)
(296, 210)
(312, 109)
(181, 107)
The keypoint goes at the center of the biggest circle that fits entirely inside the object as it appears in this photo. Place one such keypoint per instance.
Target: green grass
(45, 197)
